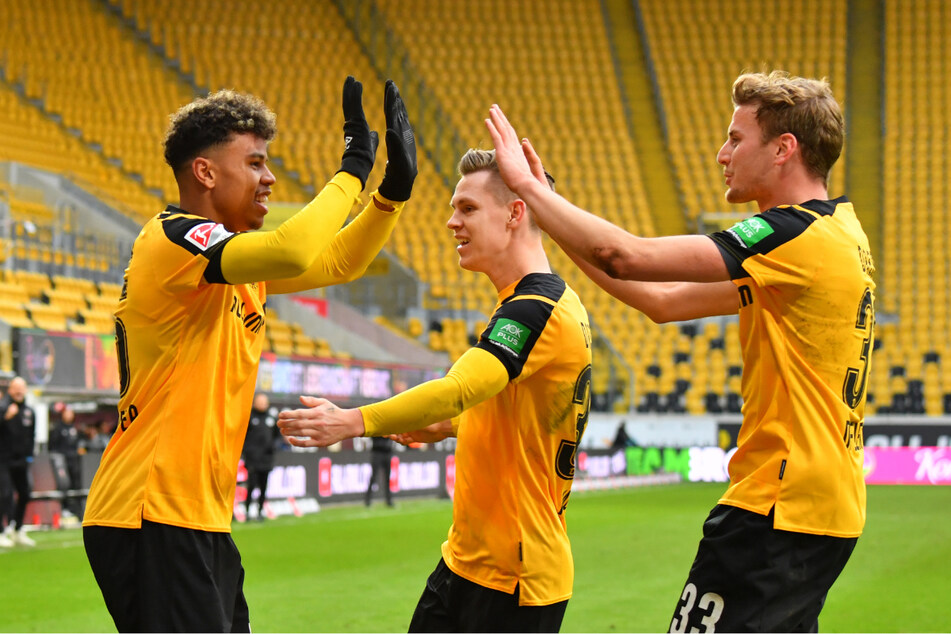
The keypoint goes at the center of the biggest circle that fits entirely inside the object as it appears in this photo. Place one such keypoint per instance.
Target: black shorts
(750, 577)
(451, 603)
(163, 578)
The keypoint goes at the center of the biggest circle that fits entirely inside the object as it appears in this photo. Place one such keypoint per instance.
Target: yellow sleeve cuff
(385, 204)
(349, 183)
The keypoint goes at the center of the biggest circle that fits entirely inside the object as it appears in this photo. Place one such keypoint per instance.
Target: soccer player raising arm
(190, 328)
(799, 276)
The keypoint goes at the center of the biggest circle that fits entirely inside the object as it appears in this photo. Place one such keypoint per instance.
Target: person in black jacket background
(17, 440)
(258, 452)
(381, 452)
(66, 439)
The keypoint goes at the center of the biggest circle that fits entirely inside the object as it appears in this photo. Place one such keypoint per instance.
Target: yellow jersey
(806, 331)
(189, 343)
(188, 346)
(515, 453)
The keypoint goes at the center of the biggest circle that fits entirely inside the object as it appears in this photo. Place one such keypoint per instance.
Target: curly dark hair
(212, 120)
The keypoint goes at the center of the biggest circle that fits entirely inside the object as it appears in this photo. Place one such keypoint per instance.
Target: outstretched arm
(354, 248)
(605, 246)
(292, 248)
(351, 251)
(664, 302)
(476, 376)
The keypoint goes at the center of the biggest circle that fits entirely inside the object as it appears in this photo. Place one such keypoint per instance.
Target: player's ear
(786, 146)
(518, 211)
(203, 171)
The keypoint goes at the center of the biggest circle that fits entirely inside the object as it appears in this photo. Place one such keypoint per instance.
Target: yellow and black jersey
(190, 328)
(806, 331)
(515, 452)
(188, 346)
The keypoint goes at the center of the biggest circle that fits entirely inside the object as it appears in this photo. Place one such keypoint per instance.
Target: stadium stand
(96, 80)
(694, 85)
(92, 104)
(916, 290)
(35, 138)
(312, 36)
(560, 88)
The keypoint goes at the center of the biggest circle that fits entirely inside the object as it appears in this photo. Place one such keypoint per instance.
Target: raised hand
(360, 142)
(519, 165)
(400, 147)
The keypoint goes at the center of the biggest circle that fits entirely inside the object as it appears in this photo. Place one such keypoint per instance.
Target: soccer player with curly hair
(190, 327)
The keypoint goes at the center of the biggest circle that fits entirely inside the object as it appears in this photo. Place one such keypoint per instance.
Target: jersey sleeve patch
(509, 334)
(200, 237)
(207, 235)
(518, 323)
(760, 234)
(751, 231)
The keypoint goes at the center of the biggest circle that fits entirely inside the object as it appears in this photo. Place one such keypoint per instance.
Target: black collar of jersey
(821, 207)
(547, 285)
(172, 210)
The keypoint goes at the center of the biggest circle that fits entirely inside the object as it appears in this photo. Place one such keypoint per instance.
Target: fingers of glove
(360, 141)
(397, 120)
(353, 100)
(355, 127)
(374, 142)
(395, 109)
(390, 94)
(401, 166)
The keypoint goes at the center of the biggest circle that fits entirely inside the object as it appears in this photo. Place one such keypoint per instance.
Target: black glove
(400, 147)
(361, 142)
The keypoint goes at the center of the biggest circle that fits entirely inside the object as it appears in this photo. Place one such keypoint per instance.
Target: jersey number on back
(565, 459)
(122, 351)
(856, 379)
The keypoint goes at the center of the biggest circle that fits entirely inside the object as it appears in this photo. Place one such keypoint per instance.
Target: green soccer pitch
(351, 569)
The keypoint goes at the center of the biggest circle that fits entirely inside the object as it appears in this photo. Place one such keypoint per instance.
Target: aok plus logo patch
(751, 231)
(510, 335)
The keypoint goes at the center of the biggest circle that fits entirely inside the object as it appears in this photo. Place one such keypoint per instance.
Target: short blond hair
(484, 161)
(802, 107)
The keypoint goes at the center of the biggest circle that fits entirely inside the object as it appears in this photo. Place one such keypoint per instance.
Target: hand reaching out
(320, 424)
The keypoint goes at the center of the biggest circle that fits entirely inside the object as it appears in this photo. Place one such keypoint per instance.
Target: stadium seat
(916, 284)
(47, 317)
(62, 113)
